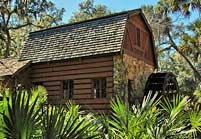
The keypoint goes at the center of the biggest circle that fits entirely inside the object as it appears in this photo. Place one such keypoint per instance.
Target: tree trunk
(8, 44)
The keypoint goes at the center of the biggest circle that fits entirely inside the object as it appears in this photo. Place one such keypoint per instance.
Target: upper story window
(99, 88)
(138, 37)
(135, 35)
(68, 89)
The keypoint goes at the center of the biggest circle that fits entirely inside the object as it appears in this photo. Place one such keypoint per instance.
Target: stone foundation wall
(120, 76)
(129, 68)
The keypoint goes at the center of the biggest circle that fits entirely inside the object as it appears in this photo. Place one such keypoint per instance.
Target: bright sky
(71, 6)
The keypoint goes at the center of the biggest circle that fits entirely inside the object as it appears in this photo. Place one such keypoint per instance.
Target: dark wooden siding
(144, 51)
(82, 71)
(21, 78)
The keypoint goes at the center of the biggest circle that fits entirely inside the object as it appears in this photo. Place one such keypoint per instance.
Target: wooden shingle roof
(11, 66)
(93, 37)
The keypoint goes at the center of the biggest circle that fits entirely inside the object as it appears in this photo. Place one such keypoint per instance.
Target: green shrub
(26, 115)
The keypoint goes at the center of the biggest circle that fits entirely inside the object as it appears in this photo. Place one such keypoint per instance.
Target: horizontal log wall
(82, 71)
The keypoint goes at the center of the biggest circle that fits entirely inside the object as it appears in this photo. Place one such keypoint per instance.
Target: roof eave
(22, 68)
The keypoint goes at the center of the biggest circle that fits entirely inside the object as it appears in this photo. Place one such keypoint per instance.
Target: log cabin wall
(82, 72)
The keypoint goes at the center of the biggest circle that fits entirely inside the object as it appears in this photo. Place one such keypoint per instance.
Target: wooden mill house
(91, 61)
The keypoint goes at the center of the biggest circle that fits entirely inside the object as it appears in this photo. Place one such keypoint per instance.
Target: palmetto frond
(21, 116)
(63, 123)
(126, 123)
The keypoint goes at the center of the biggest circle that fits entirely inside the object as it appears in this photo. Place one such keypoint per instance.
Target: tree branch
(19, 26)
(165, 49)
(166, 42)
(9, 16)
(187, 60)
(24, 25)
(53, 19)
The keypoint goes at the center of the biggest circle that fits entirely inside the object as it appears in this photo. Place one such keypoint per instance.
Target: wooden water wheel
(163, 83)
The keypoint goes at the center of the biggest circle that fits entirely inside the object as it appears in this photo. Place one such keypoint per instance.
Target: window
(68, 89)
(99, 88)
(138, 37)
(135, 35)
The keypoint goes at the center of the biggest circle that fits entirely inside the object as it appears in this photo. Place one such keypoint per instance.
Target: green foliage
(126, 123)
(87, 10)
(163, 118)
(179, 6)
(177, 41)
(39, 92)
(26, 115)
(173, 118)
(195, 120)
(67, 123)
(185, 76)
(18, 18)
(197, 94)
(20, 116)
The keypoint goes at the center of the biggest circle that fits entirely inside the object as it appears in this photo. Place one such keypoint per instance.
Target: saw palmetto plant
(162, 118)
(21, 117)
(26, 116)
(67, 123)
(132, 122)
